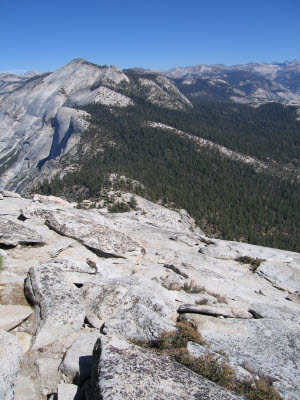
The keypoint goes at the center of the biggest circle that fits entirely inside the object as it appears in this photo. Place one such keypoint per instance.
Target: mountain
(86, 129)
(140, 305)
(243, 83)
(40, 119)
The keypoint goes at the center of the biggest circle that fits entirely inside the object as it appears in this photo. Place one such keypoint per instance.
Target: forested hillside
(228, 199)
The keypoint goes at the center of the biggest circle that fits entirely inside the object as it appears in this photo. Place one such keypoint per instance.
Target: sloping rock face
(127, 306)
(131, 276)
(10, 358)
(129, 372)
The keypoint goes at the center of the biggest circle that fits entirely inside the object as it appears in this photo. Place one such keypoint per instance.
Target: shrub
(254, 262)
(184, 333)
(119, 207)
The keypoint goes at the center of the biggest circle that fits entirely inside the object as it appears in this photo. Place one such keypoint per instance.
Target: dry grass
(189, 287)
(192, 287)
(219, 297)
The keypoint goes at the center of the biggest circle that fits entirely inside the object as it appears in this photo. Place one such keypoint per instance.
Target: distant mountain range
(244, 83)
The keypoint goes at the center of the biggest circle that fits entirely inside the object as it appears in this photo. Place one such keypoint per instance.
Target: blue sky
(46, 34)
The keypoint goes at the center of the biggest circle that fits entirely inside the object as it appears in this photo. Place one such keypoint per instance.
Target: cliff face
(97, 282)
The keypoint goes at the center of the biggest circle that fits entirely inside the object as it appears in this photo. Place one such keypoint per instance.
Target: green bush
(254, 262)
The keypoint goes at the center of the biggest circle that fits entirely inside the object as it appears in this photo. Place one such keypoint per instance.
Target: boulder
(77, 363)
(135, 307)
(103, 241)
(50, 200)
(124, 371)
(12, 234)
(13, 315)
(6, 193)
(10, 357)
(58, 312)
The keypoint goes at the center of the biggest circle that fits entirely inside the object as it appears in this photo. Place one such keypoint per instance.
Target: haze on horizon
(157, 35)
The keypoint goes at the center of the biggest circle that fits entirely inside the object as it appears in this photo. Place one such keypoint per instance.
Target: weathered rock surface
(10, 357)
(57, 309)
(102, 240)
(130, 372)
(13, 315)
(70, 265)
(77, 363)
(262, 310)
(285, 276)
(12, 234)
(128, 306)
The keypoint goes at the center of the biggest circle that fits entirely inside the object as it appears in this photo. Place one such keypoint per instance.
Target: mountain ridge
(87, 122)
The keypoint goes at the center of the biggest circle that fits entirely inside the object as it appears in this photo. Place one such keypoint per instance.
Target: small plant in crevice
(202, 302)
(189, 287)
(1, 262)
(192, 287)
(218, 296)
(254, 262)
(171, 285)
